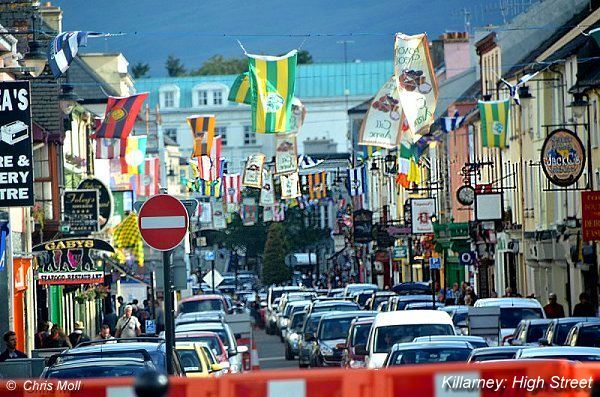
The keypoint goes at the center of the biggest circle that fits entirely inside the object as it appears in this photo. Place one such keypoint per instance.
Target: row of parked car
(362, 326)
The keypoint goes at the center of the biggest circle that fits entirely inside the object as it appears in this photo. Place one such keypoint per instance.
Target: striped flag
(120, 116)
(240, 90)
(209, 167)
(267, 193)
(64, 47)
(110, 148)
(233, 188)
(147, 184)
(404, 161)
(203, 133)
(452, 123)
(317, 185)
(494, 122)
(133, 161)
(279, 212)
(357, 181)
(272, 84)
(305, 162)
(210, 188)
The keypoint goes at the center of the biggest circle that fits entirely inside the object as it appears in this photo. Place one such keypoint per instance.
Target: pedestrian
(128, 325)
(110, 319)
(78, 336)
(120, 306)
(508, 292)
(472, 295)
(553, 309)
(584, 308)
(105, 333)
(142, 315)
(42, 333)
(468, 301)
(159, 316)
(56, 339)
(11, 352)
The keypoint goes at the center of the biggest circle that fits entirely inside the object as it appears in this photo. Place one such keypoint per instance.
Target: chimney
(52, 16)
(457, 57)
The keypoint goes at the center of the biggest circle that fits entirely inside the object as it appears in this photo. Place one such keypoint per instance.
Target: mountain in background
(193, 30)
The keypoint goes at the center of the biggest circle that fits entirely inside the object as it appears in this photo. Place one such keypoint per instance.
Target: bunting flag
(267, 193)
(416, 80)
(64, 48)
(494, 123)
(127, 235)
(240, 90)
(290, 186)
(382, 124)
(232, 185)
(317, 185)
(404, 160)
(248, 214)
(286, 153)
(357, 181)
(253, 171)
(148, 183)
(452, 123)
(279, 212)
(306, 162)
(107, 148)
(272, 84)
(133, 161)
(203, 133)
(120, 116)
(206, 188)
(268, 214)
(218, 215)
(210, 167)
(298, 115)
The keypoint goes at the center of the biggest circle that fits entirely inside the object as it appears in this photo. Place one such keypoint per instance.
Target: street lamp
(390, 164)
(526, 99)
(578, 105)
(35, 59)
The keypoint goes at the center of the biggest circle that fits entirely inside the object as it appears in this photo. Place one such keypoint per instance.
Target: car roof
(435, 338)
(508, 302)
(348, 314)
(114, 345)
(361, 285)
(537, 321)
(202, 298)
(199, 326)
(497, 349)
(428, 345)
(364, 320)
(299, 303)
(421, 298)
(333, 302)
(586, 324)
(576, 319)
(95, 362)
(401, 317)
(558, 351)
(290, 288)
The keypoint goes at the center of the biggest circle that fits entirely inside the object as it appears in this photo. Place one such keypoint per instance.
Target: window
(217, 97)
(223, 132)
(171, 133)
(249, 136)
(201, 98)
(169, 99)
(42, 185)
(169, 96)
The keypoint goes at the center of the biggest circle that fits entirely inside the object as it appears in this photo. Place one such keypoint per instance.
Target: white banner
(421, 212)
(382, 125)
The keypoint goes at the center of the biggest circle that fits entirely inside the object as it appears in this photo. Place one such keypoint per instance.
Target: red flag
(147, 184)
(209, 167)
(120, 116)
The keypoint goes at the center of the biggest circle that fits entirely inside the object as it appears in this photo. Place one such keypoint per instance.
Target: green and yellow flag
(272, 83)
(240, 90)
(494, 123)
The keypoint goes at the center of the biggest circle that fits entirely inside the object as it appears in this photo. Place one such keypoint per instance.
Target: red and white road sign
(163, 222)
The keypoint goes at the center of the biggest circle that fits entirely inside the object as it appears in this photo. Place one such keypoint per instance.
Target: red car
(211, 339)
(359, 331)
(203, 303)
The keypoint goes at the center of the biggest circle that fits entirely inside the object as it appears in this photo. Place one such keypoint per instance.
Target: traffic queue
(361, 326)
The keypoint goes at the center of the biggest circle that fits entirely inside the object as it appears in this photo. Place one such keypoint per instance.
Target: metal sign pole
(169, 312)
(212, 275)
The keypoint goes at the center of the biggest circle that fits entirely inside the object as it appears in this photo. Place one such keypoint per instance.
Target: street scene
(326, 199)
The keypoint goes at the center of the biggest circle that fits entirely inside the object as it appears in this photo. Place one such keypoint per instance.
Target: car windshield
(336, 328)
(335, 308)
(362, 298)
(589, 336)
(190, 361)
(386, 337)
(510, 317)
(426, 356)
(297, 321)
(536, 332)
(201, 306)
(97, 371)
(494, 356)
(211, 341)
(222, 335)
(360, 334)
(379, 300)
(311, 324)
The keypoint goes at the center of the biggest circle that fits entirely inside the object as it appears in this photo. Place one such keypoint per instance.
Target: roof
(550, 351)
(428, 345)
(317, 80)
(507, 302)
(412, 317)
(575, 320)
(349, 314)
(88, 84)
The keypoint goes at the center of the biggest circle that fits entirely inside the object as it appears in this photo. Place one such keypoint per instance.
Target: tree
(175, 67)
(140, 70)
(304, 57)
(275, 270)
(219, 65)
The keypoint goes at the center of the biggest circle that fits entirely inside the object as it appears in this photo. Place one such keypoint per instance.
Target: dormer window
(217, 97)
(169, 97)
(202, 97)
(209, 94)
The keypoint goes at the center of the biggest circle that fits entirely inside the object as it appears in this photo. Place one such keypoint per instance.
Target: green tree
(140, 70)
(275, 270)
(175, 67)
(304, 57)
(219, 65)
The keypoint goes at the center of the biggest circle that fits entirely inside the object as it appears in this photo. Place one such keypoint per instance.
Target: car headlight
(294, 337)
(357, 364)
(284, 322)
(326, 350)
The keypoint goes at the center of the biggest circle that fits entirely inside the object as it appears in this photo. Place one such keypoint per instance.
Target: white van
(390, 328)
(512, 311)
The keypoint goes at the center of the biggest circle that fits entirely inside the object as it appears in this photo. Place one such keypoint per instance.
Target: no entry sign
(163, 222)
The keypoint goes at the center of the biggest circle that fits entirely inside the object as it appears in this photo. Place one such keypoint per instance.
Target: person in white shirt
(128, 325)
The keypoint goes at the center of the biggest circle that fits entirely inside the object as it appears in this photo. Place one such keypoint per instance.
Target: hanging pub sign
(68, 261)
(80, 212)
(563, 157)
(286, 153)
(16, 136)
(421, 212)
(105, 201)
(590, 216)
(363, 226)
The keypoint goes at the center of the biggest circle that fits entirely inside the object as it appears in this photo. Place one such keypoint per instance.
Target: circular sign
(465, 195)
(105, 205)
(163, 222)
(563, 157)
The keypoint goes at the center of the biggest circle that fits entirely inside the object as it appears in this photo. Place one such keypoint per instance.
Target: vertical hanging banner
(253, 171)
(206, 218)
(422, 210)
(298, 115)
(272, 84)
(286, 153)
(290, 186)
(279, 212)
(232, 188)
(203, 133)
(317, 185)
(494, 122)
(16, 138)
(249, 212)
(240, 90)
(218, 215)
(382, 125)
(417, 84)
(268, 214)
(267, 193)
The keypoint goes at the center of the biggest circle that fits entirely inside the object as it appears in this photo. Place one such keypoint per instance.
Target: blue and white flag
(357, 181)
(3, 238)
(305, 162)
(452, 123)
(65, 47)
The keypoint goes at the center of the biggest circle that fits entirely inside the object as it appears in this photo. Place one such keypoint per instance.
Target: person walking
(584, 308)
(110, 319)
(553, 309)
(43, 332)
(105, 333)
(56, 339)
(128, 325)
(11, 352)
(120, 306)
(78, 336)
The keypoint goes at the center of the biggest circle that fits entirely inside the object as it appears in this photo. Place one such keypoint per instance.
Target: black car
(494, 353)
(377, 297)
(559, 328)
(529, 332)
(584, 334)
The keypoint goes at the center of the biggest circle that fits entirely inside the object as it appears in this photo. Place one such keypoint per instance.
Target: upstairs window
(169, 97)
(201, 98)
(249, 136)
(222, 131)
(217, 97)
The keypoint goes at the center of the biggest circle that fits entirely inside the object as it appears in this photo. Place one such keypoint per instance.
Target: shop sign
(399, 252)
(590, 216)
(421, 212)
(68, 261)
(563, 157)
(80, 212)
(363, 226)
(105, 200)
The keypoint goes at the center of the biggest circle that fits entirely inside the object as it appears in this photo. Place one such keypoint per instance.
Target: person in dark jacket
(11, 352)
(584, 308)
(553, 309)
(57, 338)
(43, 332)
(78, 336)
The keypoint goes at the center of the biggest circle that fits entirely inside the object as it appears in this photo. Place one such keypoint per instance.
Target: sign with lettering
(16, 137)
(286, 153)
(253, 171)
(363, 226)
(590, 216)
(383, 124)
(105, 201)
(421, 212)
(68, 261)
(563, 157)
(80, 212)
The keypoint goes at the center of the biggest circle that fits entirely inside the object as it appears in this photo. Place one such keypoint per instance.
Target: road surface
(271, 352)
